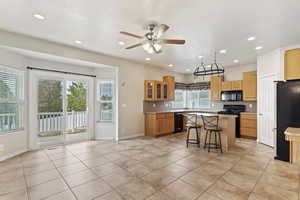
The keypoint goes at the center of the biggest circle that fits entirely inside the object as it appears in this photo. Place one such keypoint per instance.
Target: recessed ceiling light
(121, 43)
(258, 48)
(236, 61)
(147, 59)
(251, 38)
(78, 42)
(38, 16)
(223, 51)
(188, 70)
(200, 57)
(170, 65)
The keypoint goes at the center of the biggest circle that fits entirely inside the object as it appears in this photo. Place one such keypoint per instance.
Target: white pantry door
(266, 110)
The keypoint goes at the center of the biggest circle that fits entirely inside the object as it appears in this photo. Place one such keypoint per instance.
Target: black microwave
(232, 96)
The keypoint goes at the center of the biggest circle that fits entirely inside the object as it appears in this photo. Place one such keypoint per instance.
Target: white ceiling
(206, 25)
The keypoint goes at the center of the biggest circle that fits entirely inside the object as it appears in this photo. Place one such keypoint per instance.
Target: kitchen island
(161, 123)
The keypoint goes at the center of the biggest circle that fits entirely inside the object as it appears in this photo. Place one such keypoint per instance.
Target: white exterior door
(266, 110)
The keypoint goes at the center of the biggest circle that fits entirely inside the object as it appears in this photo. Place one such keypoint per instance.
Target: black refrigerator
(288, 115)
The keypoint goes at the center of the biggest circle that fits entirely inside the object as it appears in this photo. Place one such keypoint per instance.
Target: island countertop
(195, 111)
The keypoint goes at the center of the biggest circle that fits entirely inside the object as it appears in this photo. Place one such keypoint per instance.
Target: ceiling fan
(152, 40)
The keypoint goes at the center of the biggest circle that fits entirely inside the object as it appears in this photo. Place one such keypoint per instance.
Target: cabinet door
(160, 126)
(149, 90)
(216, 84)
(226, 86)
(249, 86)
(237, 85)
(165, 91)
(292, 64)
(158, 90)
(170, 80)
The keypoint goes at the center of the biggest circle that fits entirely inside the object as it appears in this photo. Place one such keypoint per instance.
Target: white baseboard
(105, 138)
(10, 155)
(131, 136)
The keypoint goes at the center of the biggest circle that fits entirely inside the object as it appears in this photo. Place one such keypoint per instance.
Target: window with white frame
(11, 99)
(180, 99)
(198, 99)
(105, 100)
(191, 99)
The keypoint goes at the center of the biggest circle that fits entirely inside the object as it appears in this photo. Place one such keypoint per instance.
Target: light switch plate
(1, 147)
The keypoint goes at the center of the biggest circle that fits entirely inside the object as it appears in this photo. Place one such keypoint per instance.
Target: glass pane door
(51, 120)
(76, 111)
(62, 111)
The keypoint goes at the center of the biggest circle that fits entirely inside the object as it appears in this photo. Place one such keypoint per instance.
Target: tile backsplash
(157, 106)
(215, 105)
(250, 106)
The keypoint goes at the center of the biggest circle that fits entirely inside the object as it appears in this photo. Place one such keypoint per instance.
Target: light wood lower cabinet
(159, 123)
(248, 125)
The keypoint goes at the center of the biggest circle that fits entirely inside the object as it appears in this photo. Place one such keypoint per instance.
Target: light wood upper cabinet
(249, 86)
(170, 81)
(149, 90)
(216, 87)
(227, 86)
(237, 85)
(158, 90)
(292, 64)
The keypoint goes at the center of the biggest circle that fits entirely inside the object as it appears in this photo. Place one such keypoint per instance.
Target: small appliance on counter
(288, 115)
(231, 96)
(234, 110)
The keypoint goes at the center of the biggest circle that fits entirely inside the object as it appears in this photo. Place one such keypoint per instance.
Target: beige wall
(231, 73)
(131, 80)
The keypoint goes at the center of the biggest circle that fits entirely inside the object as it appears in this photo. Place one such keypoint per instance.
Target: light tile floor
(148, 168)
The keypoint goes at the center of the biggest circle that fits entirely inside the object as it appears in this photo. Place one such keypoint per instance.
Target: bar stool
(192, 123)
(211, 127)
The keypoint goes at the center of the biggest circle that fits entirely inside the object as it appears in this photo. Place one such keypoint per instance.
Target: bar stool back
(192, 122)
(211, 127)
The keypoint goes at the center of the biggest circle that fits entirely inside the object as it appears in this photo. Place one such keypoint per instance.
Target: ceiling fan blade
(172, 41)
(161, 30)
(133, 46)
(131, 34)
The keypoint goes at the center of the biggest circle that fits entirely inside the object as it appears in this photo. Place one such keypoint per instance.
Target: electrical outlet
(250, 105)
(154, 105)
(1, 147)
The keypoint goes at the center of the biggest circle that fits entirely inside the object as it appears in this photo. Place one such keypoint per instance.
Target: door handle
(260, 114)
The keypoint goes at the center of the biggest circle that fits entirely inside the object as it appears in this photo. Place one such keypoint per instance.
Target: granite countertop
(207, 112)
(184, 110)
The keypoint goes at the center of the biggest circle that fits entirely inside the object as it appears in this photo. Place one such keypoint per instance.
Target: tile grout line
(62, 176)
(113, 189)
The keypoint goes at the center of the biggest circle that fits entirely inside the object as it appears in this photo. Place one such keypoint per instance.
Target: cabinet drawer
(250, 132)
(248, 116)
(248, 123)
(160, 115)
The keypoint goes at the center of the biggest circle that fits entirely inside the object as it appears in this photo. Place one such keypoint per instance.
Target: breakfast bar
(161, 123)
